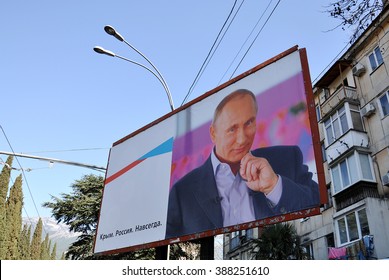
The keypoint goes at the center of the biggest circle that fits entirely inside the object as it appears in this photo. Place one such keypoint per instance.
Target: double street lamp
(111, 31)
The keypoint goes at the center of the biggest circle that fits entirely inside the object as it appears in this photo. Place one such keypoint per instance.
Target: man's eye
(250, 122)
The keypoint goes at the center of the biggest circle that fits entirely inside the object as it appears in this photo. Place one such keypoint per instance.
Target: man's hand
(258, 173)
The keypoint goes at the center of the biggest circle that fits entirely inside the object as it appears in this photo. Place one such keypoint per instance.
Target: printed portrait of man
(238, 184)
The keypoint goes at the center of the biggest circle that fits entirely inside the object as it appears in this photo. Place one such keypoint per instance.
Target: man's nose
(241, 136)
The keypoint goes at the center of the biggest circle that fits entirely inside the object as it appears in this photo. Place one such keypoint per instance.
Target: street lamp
(111, 31)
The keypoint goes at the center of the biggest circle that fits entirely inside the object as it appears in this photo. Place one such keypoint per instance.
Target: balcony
(351, 139)
(340, 96)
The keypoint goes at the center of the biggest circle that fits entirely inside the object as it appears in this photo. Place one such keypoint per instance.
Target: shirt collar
(215, 161)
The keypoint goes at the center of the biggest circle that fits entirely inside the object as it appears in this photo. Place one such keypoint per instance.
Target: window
(308, 249)
(352, 226)
(250, 233)
(352, 169)
(356, 117)
(375, 58)
(318, 113)
(324, 95)
(384, 102)
(234, 241)
(323, 152)
(330, 240)
(341, 121)
(336, 125)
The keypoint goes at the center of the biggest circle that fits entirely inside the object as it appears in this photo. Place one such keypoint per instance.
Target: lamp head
(111, 31)
(103, 51)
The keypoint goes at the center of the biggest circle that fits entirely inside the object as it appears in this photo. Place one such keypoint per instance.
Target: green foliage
(189, 250)
(80, 210)
(36, 241)
(5, 176)
(14, 219)
(356, 14)
(24, 243)
(45, 249)
(15, 241)
(53, 254)
(279, 242)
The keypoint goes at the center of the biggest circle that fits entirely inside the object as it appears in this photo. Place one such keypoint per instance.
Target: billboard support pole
(207, 248)
(161, 253)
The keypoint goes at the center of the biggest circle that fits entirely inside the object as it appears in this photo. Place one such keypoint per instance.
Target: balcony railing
(351, 139)
(338, 97)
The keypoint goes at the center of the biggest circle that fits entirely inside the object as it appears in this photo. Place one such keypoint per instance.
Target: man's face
(234, 130)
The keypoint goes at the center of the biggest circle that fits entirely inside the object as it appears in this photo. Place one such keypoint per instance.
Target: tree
(53, 255)
(14, 219)
(36, 241)
(45, 248)
(279, 242)
(80, 210)
(5, 176)
(355, 14)
(24, 243)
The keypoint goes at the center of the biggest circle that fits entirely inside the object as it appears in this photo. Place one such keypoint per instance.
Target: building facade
(352, 107)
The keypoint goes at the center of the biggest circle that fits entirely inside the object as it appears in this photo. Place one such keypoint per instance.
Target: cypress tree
(36, 241)
(53, 255)
(45, 248)
(14, 218)
(24, 243)
(5, 176)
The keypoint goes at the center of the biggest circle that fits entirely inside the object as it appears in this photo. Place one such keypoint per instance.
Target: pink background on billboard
(282, 120)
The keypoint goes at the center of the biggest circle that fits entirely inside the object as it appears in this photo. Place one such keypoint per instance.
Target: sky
(59, 99)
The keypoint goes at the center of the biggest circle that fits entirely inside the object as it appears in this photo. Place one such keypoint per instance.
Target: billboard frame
(258, 223)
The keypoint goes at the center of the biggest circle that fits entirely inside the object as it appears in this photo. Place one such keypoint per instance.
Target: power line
(209, 53)
(268, 18)
(68, 150)
(13, 182)
(332, 61)
(52, 160)
(224, 33)
(252, 30)
(23, 173)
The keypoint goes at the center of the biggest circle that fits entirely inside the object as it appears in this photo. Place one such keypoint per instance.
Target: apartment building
(352, 107)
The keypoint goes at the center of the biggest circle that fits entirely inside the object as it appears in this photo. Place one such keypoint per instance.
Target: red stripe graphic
(124, 170)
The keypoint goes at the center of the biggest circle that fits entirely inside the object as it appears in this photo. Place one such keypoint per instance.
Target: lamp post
(162, 252)
(111, 31)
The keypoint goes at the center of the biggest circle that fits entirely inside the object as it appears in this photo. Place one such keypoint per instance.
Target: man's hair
(235, 94)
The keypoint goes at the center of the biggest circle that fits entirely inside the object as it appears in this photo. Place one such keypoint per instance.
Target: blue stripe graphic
(165, 147)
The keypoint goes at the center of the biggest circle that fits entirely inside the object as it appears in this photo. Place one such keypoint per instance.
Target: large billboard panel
(241, 155)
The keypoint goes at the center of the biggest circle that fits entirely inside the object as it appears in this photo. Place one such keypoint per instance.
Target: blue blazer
(194, 203)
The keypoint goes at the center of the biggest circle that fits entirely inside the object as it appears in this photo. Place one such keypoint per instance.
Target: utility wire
(68, 150)
(332, 61)
(252, 30)
(224, 33)
(209, 53)
(268, 18)
(13, 182)
(24, 174)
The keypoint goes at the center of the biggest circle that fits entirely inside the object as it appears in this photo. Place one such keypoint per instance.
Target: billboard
(242, 155)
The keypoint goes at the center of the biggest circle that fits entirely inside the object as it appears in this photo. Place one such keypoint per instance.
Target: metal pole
(94, 167)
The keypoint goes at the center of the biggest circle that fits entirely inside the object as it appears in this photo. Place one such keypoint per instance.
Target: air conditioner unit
(358, 70)
(368, 110)
(385, 179)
